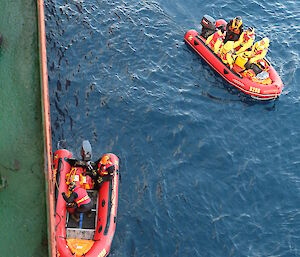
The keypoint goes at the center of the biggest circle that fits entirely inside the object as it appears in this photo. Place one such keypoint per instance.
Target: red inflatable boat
(92, 235)
(270, 87)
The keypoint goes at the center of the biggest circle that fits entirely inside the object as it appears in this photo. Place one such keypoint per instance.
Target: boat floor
(85, 227)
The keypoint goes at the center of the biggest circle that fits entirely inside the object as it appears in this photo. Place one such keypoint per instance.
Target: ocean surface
(206, 171)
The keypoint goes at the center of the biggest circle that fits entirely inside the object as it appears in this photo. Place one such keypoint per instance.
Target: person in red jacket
(78, 199)
(104, 171)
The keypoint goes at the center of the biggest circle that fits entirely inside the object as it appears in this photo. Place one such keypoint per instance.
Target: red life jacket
(214, 39)
(82, 198)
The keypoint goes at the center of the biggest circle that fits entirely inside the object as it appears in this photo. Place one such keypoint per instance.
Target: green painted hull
(23, 222)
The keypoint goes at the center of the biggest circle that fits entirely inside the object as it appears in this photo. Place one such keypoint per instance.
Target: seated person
(227, 53)
(105, 170)
(258, 53)
(215, 41)
(234, 29)
(245, 41)
(79, 201)
(259, 50)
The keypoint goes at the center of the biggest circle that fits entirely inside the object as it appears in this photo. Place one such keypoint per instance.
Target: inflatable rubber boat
(266, 87)
(92, 235)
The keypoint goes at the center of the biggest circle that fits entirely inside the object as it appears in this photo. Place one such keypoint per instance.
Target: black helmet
(251, 29)
(86, 150)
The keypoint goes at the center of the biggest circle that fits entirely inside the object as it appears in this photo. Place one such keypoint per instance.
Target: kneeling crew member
(78, 199)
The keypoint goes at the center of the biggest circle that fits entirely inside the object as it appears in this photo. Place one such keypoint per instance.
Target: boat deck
(85, 227)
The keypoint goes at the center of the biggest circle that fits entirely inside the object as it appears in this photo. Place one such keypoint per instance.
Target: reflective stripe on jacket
(82, 198)
(211, 41)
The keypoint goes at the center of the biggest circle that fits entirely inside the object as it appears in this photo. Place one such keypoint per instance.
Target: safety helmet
(221, 24)
(105, 159)
(264, 43)
(250, 30)
(86, 150)
(72, 186)
(237, 22)
(250, 33)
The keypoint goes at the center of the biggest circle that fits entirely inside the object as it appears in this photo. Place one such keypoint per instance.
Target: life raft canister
(82, 198)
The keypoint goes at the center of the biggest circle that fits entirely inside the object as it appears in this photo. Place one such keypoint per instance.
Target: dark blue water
(205, 170)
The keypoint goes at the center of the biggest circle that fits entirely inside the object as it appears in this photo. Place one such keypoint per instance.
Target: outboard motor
(208, 26)
(86, 150)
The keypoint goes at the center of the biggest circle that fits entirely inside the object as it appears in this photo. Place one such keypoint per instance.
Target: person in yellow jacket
(215, 41)
(259, 50)
(245, 41)
(227, 53)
